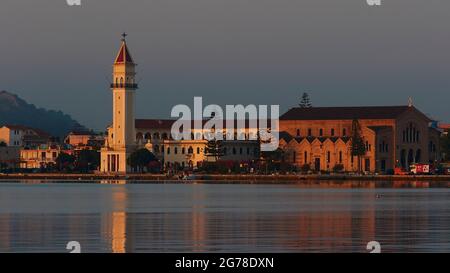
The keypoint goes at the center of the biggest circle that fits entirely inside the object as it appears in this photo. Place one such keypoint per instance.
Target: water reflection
(120, 217)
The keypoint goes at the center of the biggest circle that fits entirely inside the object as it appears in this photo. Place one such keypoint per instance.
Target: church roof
(167, 123)
(346, 113)
(124, 56)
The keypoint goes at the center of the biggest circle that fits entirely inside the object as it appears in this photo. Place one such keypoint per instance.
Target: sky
(342, 52)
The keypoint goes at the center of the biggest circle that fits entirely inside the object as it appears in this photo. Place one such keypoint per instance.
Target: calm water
(340, 217)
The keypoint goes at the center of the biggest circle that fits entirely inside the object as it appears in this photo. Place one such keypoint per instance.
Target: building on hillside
(9, 157)
(78, 138)
(394, 136)
(41, 157)
(23, 136)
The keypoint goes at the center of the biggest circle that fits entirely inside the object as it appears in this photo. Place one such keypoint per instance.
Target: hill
(14, 110)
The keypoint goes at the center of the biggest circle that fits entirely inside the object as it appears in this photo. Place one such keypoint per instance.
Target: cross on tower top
(124, 35)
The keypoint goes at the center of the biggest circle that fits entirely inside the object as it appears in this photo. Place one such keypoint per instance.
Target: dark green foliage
(305, 101)
(338, 168)
(305, 168)
(14, 110)
(87, 160)
(64, 162)
(358, 147)
(141, 159)
(214, 149)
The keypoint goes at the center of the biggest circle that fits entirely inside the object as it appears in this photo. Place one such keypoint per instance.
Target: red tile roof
(167, 123)
(444, 126)
(346, 113)
(124, 55)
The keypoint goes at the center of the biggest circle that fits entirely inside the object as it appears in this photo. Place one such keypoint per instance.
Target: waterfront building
(394, 136)
(23, 136)
(41, 157)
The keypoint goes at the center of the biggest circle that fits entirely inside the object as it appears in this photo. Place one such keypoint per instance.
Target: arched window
(298, 132)
(332, 132)
(183, 150)
(175, 150)
(305, 155)
(168, 150)
(190, 150)
(198, 150)
(148, 136)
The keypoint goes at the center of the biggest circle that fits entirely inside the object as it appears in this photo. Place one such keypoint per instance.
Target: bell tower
(123, 88)
(121, 140)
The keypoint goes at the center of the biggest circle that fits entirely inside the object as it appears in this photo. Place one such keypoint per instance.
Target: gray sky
(342, 52)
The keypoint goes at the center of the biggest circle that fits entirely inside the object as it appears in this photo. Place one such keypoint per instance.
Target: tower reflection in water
(119, 217)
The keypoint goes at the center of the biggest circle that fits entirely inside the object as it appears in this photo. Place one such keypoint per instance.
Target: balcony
(124, 85)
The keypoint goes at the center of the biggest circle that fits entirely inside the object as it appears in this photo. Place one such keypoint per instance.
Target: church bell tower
(121, 135)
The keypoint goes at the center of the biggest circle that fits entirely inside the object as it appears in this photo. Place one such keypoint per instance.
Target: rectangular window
(332, 132)
(309, 132)
(320, 132)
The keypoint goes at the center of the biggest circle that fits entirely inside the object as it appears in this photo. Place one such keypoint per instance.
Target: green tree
(87, 160)
(214, 149)
(3, 144)
(64, 161)
(305, 102)
(140, 159)
(272, 159)
(358, 147)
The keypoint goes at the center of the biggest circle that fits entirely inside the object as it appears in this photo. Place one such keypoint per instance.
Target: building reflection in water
(124, 217)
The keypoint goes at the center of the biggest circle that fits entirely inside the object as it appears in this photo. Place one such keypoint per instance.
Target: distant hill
(14, 110)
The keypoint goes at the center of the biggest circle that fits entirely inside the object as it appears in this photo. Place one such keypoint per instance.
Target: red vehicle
(400, 171)
(420, 169)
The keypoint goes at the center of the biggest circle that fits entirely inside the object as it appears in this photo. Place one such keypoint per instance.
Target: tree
(358, 147)
(64, 162)
(272, 158)
(214, 148)
(3, 144)
(87, 160)
(305, 101)
(140, 159)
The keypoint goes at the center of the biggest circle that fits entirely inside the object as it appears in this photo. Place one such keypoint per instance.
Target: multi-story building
(394, 136)
(22, 136)
(41, 157)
